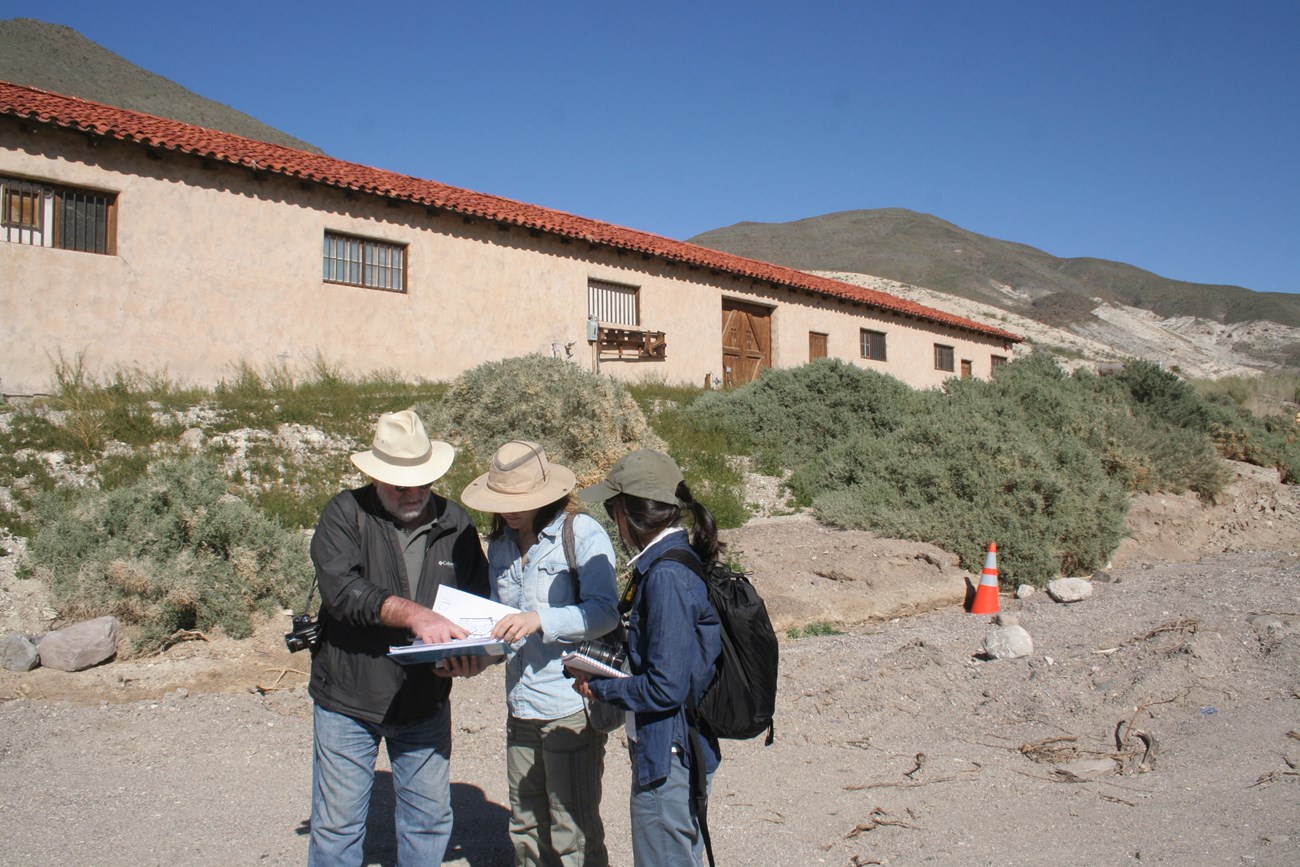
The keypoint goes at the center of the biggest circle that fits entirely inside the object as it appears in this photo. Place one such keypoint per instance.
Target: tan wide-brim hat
(520, 478)
(402, 453)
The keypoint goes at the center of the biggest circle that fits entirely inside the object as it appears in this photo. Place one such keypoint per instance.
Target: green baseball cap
(643, 473)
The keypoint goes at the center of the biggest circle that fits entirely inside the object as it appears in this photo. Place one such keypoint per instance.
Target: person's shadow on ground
(480, 835)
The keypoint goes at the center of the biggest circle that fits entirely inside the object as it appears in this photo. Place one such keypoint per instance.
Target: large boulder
(81, 645)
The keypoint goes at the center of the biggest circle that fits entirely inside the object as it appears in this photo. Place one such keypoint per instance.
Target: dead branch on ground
(914, 784)
(878, 818)
(1183, 624)
(181, 635)
(280, 675)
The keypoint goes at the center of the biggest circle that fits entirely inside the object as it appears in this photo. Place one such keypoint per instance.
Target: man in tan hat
(381, 552)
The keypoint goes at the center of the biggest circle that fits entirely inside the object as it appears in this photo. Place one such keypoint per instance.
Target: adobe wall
(218, 265)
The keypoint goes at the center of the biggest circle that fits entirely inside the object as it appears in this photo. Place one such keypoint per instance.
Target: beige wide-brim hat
(402, 453)
(520, 478)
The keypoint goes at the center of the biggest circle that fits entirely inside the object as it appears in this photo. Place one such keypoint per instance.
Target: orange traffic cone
(986, 596)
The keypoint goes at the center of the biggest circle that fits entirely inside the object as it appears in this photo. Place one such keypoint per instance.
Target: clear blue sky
(1162, 133)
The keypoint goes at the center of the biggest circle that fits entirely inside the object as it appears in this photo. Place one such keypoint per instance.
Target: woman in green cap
(674, 640)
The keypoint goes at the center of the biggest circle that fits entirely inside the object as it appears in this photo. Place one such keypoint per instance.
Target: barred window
(65, 218)
(364, 262)
(943, 357)
(613, 303)
(873, 345)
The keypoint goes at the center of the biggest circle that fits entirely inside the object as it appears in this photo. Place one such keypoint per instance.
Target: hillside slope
(1135, 312)
(58, 58)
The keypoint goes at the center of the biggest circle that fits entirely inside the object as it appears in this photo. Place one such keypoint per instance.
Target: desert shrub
(964, 471)
(171, 551)
(1038, 460)
(790, 415)
(1270, 441)
(585, 421)
(1164, 395)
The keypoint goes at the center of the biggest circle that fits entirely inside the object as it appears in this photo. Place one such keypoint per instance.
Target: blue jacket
(674, 640)
(536, 687)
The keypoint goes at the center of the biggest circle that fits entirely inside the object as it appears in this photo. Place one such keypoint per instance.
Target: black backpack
(741, 701)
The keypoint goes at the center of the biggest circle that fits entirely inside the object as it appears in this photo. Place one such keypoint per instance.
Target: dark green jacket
(359, 564)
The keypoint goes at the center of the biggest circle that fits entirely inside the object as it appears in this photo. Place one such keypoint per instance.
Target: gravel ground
(896, 743)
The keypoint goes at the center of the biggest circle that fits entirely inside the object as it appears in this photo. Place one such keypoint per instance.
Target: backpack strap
(570, 545)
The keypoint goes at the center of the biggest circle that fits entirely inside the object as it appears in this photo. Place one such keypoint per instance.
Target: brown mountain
(923, 250)
(58, 58)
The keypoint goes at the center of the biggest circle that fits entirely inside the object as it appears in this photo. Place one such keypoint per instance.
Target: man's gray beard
(393, 507)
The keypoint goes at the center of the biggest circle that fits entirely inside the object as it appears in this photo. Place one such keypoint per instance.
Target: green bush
(790, 415)
(585, 421)
(1164, 395)
(172, 551)
(965, 473)
(1037, 460)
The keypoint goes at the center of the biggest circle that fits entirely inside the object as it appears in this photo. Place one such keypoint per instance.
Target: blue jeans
(665, 830)
(343, 772)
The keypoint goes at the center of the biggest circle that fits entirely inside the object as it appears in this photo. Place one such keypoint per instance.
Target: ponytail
(704, 533)
(647, 518)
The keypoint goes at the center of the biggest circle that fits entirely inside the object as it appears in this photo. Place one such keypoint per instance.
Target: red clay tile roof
(94, 118)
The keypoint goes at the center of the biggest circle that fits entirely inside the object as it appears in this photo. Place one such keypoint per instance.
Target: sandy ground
(896, 743)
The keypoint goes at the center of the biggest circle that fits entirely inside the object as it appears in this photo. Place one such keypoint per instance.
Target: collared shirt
(674, 640)
(412, 545)
(539, 580)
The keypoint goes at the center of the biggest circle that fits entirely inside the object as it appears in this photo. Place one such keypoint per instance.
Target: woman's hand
(517, 627)
(582, 684)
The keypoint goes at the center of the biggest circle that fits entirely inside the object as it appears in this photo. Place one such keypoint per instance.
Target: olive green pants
(554, 768)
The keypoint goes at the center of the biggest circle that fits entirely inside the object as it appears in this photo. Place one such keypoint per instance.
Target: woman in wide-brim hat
(555, 758)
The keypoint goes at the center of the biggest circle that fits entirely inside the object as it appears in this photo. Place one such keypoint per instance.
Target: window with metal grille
(613, 303)
(66, 218)
(364, 262)
(873, 345)
(943, 357)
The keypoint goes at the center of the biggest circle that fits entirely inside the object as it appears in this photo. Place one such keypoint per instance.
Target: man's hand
(461, 666)
(516, 627)
(424, 623)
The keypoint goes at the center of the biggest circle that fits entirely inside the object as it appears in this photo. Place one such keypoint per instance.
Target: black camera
(613, 655)
(305, 634)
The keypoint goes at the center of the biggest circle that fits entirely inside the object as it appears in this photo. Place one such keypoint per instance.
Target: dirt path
(895, 743)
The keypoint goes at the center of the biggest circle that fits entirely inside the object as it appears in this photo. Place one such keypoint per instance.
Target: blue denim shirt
(673, 640)
(536, 687)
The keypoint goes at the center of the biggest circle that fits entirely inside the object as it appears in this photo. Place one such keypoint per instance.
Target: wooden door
(816, 345)
(746, 342)
(967, 369)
